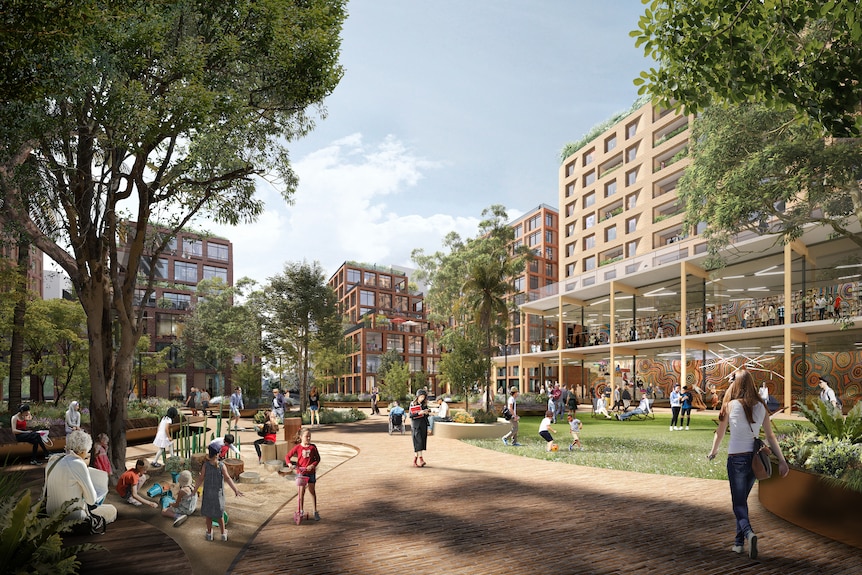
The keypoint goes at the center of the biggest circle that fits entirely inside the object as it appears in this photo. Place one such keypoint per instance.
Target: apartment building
(538, 230)
(383, 314)
(189, 258)
(35, 263)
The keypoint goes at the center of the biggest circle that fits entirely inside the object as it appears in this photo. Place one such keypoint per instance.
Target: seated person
(602, 407)
(641, 409)
(396, 410)
(23, 435)
(223, 445)
(68, 479)
(442, 414)
(186, 501)
(129, 483)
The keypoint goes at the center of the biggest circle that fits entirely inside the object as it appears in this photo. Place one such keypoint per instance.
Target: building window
(185, 272)
(589, 221)
(570, 169)
(534, 223)
(353, 276)
(549, 237)
(192, 247)
(385, 281)
(218, 252)
(534, 266)
(570, 209)
(590, 242)
(139, 296)
(370, 279)
(589, 178)
(161, 271)
(589, 199)
(414, 343)
(632, 153)
(631, 129)
(589, 157)
(395, 341)
(549, 270)
(570, 249)
(631, 201)
(366, 298)
(214, 272)
(589, 263)
(181, 301)
(168, 325)
(611, 143)
(570, 270)
(534, 282)
(611, 233)
(549, 252)
(385, 301)
(631, 225)
(610, 188)
(518, 284)
(570, 229)
(415, 364)
(549, 220)
(631, 177)
(631, 249)
(518, 231)
(570, 189)
(534, 239)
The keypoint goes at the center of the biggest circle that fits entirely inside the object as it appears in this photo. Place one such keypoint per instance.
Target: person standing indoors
(419, 425)
(743, 413)
(314, 405)
(512, 404)
(675, 406)
(236, 404)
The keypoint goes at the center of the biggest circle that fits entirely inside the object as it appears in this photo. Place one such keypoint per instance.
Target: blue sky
(445, 108)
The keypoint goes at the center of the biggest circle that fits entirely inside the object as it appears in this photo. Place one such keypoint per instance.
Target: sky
(446, 107)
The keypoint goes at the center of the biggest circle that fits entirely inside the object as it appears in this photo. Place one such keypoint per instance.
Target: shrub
(482, 416)
(832, 457)
(337, 416)
(463, 417)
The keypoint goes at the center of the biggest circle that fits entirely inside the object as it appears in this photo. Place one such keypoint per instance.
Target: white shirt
(764, 393)
(66, 480)
(545, 425)
(675, 398)
(742, 433)
(443, 411)
(827, 395)
(644, 405)
(513, 405)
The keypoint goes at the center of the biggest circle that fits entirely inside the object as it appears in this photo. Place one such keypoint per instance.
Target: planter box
(453, 430)
(806, 500)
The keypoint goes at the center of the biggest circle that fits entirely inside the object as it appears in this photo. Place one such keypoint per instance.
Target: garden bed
(454, 430)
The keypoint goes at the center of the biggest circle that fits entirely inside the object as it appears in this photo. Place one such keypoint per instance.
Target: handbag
(91, 525)
(761, 464)
(507, 413)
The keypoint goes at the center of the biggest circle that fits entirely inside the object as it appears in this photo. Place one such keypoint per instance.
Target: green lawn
(647, 446)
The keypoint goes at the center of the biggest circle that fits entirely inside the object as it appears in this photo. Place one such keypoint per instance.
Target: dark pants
(260, 442)
(674, 415)
(35, 439)
(741, 481)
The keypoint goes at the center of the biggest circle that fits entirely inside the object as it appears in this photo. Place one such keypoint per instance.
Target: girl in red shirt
(307, 460)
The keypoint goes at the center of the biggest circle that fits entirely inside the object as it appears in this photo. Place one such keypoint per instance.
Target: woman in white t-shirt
(743, 413)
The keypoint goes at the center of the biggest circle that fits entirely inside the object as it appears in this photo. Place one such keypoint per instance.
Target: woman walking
(743, 413)
(419, 424)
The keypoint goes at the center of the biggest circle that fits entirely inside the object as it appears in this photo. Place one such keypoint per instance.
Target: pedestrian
(675, 406)
(419, 425)
(575, 427)
(827, 394)
(212, 477)
(572, 403)
(375, 398)
(307, 462)
(512, 406)
(314, 405)
(236, 404)
(278, 403)
(186, 501)
(73, 418)
(190, 400)
(820, 306)
(686, 400)
(205, 401)
(743, 413)
(163, 441)
(546, 431)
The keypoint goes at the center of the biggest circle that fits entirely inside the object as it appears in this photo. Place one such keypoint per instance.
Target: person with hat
(419, 424)
(23, 435)
(512, 406)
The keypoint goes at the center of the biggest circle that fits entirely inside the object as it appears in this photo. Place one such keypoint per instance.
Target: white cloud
(344, 210)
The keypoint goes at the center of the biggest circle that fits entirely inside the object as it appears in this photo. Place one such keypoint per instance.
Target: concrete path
(478, 511)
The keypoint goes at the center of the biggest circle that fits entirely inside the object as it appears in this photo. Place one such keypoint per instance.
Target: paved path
(479, 511)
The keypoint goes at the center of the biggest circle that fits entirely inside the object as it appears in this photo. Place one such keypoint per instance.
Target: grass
(647, 446)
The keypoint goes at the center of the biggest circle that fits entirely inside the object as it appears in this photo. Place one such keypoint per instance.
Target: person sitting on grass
(602, 407)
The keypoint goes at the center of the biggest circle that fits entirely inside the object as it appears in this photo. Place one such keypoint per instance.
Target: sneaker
(155, 465)
(505, 441)
(619, 418)
(209, 536)
(671, 427)
(316, 516)
(737, 549)
(752, 544)
(516, 444)
(34, 462)
(133, 501)
(224, 536)
(180, 520)
(571, 447)
(686, 428)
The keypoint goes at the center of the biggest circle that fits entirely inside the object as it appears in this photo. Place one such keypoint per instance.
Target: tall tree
(302, 309)
(805, 56)
(754, 168)
(462, 364)
(168, 112)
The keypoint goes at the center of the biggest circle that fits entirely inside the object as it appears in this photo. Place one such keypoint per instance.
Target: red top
(21, 424)
(305, 455)
(127, 480)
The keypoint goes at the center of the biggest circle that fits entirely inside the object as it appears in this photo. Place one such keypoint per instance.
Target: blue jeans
(741, 481)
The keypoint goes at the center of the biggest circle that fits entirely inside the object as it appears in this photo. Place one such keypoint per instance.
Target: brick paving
(479, 511)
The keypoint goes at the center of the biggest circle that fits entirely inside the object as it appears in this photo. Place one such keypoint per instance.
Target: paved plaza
(473, 511)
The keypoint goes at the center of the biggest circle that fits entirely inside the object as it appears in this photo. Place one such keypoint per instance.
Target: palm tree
(484, 293)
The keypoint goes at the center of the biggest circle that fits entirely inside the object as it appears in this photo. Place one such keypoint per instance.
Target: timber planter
(807, 500)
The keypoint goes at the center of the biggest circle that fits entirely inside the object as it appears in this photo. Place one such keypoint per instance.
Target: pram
(396, 420)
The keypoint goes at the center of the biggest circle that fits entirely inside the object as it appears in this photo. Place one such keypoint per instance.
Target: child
(212, 477)
(129, 483)
(186, 501)
(545, 430)
(307, 460)
(163, 439)
(225, 445)
(101, 460)
(575, 427)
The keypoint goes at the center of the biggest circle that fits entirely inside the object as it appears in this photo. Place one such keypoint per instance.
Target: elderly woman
(67, 478)
(73, 418)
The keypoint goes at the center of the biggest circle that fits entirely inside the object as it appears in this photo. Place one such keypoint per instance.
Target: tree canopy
(756, 169)
(804, 56)
(145, 111)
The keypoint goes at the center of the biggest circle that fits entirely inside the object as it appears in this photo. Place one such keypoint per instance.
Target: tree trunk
(16, 351)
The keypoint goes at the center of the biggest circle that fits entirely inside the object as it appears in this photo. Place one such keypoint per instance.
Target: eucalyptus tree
(142, 112)
(302, 311)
